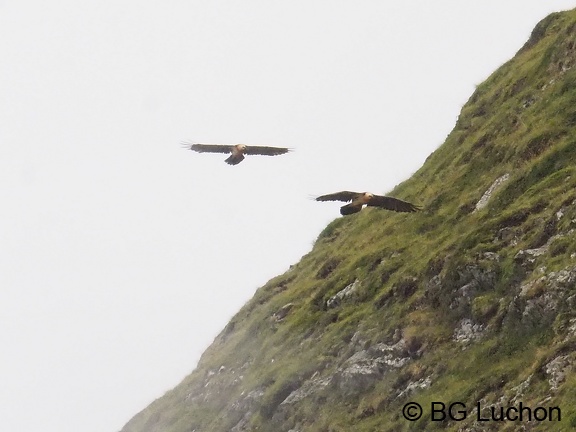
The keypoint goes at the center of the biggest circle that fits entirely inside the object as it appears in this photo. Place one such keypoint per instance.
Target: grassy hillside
(471, 300)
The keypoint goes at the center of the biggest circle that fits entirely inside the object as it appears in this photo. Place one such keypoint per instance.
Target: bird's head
(241, 147)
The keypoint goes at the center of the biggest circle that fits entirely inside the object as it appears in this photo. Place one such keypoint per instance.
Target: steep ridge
(472, 300)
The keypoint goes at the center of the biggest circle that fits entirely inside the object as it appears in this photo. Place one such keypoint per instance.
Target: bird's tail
(234, 159)
(349, 209)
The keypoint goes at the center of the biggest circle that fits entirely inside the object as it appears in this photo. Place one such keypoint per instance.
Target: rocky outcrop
(340, 296)
(358, 373)
(557, 369)
(365, 367)
(468, 331)
(483, 202)
(540, 300)
(281, 313)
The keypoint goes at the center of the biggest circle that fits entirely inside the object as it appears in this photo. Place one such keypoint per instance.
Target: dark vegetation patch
(485, 307)
(544, 230)
(517, 87)
(405, 287)
(514, 219)
(277, 396)
(327, 268)
(384, 299)
(538, 144)
(466, 208)
(400, 291)
(560, 246)
(434, 266)
(388, 269)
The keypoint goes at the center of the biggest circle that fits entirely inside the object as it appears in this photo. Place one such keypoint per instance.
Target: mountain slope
(471, 300)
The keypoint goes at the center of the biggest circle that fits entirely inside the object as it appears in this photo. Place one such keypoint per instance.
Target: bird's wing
(266, 151)
(209, 148)
(393, 204)
(339, 196)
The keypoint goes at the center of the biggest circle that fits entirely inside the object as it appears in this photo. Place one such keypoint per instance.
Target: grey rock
(281, 313)
(557, 368)
(527, 257)
(412, 386)
(247, 400)
(365, 367)
(488, 194)
(467, 331)
(507, 235)
(358, 373)
(310, 387)
(337, 299)
(242, 425)
(464, 295)
(539, 301)
(520, 390)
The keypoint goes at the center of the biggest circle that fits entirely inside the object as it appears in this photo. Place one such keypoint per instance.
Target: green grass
(520, 121)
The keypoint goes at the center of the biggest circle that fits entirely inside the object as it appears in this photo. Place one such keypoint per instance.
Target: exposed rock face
(245, 405)
(540, 300)
(488, 194)
(528, 257)
(281, 313)
(557, 369)
(468, 331)
(415, 386)
(361, 370)
(313, 386)
(458, 288)
(335, 300)
(358, 372)
(464, 291)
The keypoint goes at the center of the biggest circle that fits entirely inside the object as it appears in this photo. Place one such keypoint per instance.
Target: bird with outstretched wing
(237, 150)
(359, 199)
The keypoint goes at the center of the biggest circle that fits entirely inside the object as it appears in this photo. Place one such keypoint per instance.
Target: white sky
(122, 255)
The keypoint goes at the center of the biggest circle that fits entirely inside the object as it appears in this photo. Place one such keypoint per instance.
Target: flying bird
(360, 198)
(238, 150)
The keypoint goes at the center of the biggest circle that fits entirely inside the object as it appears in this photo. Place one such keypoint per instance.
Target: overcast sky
(122, 255)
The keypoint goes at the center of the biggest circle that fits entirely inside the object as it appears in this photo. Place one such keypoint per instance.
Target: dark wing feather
(266, 151)
(340, 196)
(393, 204)
(210, 148)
